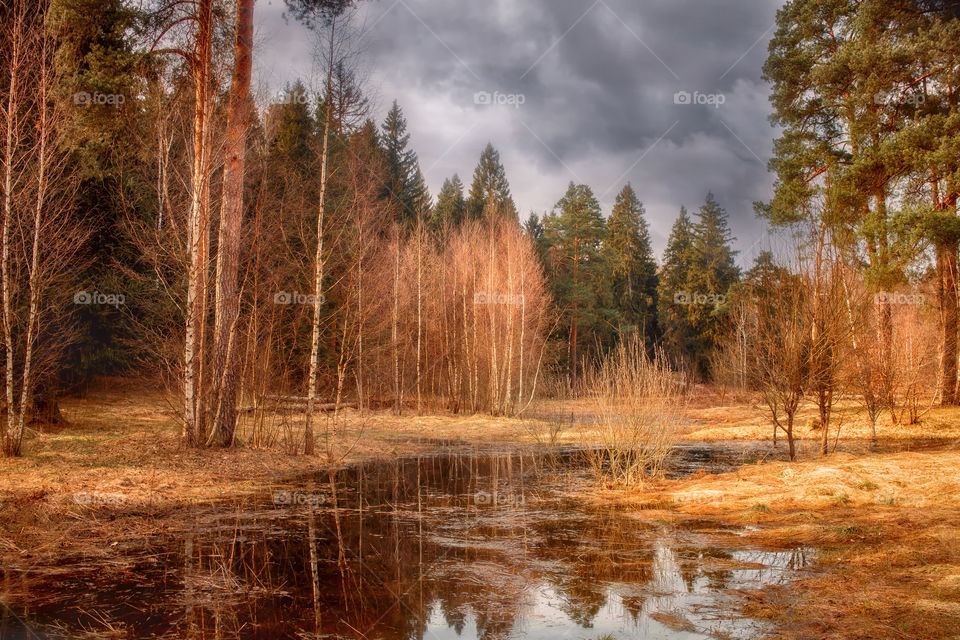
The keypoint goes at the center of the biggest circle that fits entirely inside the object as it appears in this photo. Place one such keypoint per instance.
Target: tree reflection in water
(456, 545)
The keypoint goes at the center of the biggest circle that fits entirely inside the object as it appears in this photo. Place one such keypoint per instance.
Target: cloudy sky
(665, 94)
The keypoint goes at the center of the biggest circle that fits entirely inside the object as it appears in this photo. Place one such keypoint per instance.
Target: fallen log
(295, 402)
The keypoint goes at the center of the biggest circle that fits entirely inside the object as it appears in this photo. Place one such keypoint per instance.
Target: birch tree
(39, 236)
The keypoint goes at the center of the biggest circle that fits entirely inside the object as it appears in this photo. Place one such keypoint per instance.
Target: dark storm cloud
(597, 80)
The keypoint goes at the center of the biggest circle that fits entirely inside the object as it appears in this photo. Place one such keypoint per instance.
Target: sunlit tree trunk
(16, 54)
(511, 308)
(44, 132)
(318, 299)
(199, 225)
(946, 256)
(360, 327)
(523, 325)
(419, 305)
(227, 306)
(394, 334)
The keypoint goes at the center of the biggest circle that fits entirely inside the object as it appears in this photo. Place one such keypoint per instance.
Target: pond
(463, 544)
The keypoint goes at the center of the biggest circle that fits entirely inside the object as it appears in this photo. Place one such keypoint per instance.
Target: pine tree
(673, 293)
(846, 84)
(574, 234)
(450, 207)
(490, 190)
(633, 267)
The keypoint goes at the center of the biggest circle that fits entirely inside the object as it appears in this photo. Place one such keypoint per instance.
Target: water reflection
(447, 546)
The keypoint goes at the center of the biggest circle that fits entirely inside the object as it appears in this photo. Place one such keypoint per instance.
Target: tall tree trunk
(318, 299)
(359, 367)
(12, 141)
(573, 352)
(394, 333)
(199, 225)
(227, 306)
(523, 324)
(508, 386)
(419, 305)
(947, 303)
(492, 304)
(44, 133)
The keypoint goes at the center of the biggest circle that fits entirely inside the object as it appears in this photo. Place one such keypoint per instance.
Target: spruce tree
(404, 183)
(450, 207)
(574, 234)
(296, 129)
(633, 267)
(534, 229)
(419, 195)
(716, 269)
(490, 190)
(713, 273)
(672, 292)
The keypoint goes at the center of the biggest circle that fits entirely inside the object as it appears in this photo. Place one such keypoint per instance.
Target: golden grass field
(887, 521)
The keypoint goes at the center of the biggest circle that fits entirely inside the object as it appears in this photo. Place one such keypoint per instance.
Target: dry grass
(739, 419)
(128, 440)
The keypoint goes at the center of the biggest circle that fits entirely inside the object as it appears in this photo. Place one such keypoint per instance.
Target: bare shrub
(639, 400)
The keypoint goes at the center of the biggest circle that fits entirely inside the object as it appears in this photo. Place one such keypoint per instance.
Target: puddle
(457, 545)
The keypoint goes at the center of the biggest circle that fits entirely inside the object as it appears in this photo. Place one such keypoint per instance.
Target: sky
(665, 94)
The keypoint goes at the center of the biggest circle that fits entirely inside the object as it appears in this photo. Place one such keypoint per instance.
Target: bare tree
(865, 377)
(782, 353)
(198, 53)
(39, 235)
(318, 261)
(828, 332)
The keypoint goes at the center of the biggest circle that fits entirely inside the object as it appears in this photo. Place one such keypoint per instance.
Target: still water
(459, 545)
